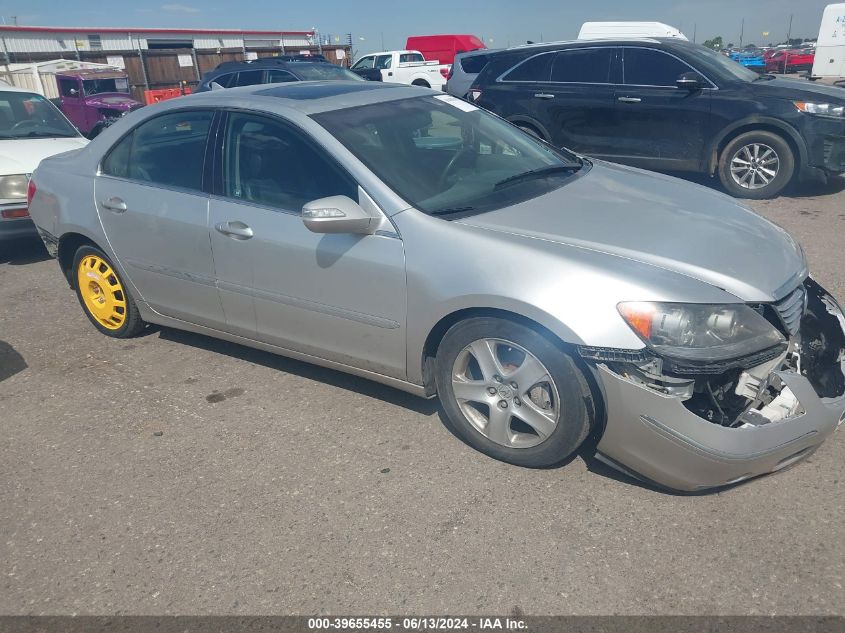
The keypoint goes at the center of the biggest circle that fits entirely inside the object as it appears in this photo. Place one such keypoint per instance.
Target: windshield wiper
(537, 173)
(451, 210)
(765, 77)
(47, 135)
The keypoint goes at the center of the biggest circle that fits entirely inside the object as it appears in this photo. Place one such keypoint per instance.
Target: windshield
(99, 86)
(724, 65)
(444, 155)
(310, 71)
(27, 115)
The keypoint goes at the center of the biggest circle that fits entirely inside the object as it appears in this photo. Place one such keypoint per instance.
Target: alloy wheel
(755, 166)
(505, 393)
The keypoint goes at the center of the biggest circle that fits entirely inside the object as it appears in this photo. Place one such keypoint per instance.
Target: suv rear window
(473, 64)
(583, 65)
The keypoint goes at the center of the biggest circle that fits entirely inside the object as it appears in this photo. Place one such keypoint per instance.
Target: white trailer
(40, 77)
(830, 48)
(625, 30)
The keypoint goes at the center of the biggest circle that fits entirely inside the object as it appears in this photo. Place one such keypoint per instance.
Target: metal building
(161, 58)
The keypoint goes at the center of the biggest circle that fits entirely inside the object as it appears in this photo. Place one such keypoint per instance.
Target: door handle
(543, 95)
(236, 230)
(390, 74)
(114, 204)
(629, 99)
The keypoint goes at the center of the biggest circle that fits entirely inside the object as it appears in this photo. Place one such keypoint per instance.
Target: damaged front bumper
(660, 431)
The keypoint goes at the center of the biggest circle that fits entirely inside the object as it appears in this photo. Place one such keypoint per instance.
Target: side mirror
(73, 92)
(337, 214)
(689, 81)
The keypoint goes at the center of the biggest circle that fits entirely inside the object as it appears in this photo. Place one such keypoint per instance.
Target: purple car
(94, 99)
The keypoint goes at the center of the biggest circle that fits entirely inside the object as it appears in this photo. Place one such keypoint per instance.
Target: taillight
(446, 72)
(474, 94)
(30, 192)
(14, 214)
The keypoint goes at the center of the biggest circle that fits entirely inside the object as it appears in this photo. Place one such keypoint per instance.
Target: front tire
(103, 295)
(511, 393)
(756, 165)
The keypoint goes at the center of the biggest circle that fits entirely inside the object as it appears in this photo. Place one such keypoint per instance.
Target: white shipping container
(830, 48)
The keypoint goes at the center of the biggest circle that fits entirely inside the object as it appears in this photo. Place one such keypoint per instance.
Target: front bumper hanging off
(650, 433)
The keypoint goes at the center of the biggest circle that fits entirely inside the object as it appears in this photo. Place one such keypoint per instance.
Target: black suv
(669, 105)
(273, 70)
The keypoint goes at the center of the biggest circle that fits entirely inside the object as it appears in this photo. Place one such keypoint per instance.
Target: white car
(406, 67)
(31, 129)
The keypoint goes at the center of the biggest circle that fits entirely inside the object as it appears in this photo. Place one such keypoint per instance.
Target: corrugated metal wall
(27, 42)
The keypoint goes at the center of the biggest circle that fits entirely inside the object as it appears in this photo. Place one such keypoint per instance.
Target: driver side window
(269, 163)
(364, 62)
(68, 87)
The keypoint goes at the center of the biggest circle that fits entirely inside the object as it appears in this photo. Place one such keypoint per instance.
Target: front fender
(570, 291)
(758, 121)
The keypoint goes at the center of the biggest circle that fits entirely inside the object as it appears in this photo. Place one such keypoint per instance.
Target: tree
(716, 43)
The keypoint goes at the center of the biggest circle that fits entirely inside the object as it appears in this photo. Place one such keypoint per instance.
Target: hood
(116, 101)
(22, 155)
(662, 221)
(799, 88)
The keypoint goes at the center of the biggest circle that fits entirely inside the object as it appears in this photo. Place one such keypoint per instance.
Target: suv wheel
(511, 393)
(756, 165)
(530, 129)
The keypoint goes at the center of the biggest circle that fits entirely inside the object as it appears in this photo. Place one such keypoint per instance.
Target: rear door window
(648, 67)
(249, 78)
(583, 65)
(167, 150)
(275, 76)
(533, 69)
(473, 64)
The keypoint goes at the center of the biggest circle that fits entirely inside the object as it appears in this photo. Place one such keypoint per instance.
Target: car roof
(669, 42)
(4, 87)
(307, 97)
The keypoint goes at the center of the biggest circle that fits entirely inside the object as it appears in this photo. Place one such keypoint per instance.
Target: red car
(790, 60)
(443, 47)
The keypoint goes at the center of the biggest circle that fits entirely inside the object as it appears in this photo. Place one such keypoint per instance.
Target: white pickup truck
(405, 67)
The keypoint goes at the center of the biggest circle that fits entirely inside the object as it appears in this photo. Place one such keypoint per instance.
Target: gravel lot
(178, 474)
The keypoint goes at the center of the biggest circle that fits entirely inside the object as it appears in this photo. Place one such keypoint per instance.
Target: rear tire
(511, 392)
(756, 165)
(103, 295)
(421, 82)
(531, 130)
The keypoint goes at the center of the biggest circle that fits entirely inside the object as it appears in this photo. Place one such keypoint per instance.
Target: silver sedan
(552, 302)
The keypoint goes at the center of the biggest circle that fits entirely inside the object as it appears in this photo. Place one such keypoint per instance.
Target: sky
(499, 22)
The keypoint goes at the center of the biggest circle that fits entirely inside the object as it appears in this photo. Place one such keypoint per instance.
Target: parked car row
(31, 129)
(665, 104)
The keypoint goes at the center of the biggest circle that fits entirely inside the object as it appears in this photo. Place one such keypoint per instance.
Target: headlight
(13, 187)
(821, 109)
(700, 332)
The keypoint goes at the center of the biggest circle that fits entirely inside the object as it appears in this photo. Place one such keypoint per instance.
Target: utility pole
(382, 40)
(742, 32)
(789, 30)
(694, 32)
